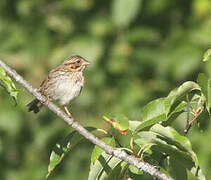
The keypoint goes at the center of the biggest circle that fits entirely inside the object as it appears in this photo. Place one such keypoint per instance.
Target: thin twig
(188, 111)
(121, 154)
(190, 124)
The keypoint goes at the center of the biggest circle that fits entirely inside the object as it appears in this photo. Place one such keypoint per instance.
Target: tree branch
(121, 154)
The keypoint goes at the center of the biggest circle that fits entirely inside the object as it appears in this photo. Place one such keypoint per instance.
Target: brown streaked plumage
(63, 83)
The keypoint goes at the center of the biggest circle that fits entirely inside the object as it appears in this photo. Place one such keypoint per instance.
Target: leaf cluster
(153, 139)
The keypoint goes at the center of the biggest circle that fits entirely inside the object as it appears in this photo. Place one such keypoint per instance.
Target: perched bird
(63, 83)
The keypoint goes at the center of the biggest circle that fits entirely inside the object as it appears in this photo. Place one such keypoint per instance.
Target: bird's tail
(34, 105)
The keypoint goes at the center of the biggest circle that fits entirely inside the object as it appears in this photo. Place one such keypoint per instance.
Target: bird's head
(75, 63)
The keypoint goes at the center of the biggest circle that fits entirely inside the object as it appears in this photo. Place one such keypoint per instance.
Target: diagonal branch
(121, 154)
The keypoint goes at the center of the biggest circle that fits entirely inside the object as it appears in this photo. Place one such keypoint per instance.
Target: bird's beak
(86, 63)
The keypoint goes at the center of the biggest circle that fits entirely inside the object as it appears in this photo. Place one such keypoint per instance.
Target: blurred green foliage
(139, 50)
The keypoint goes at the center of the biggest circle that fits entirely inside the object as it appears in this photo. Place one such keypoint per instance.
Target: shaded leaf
(103, 167)
(117, 173)
(177, 170)
(56, 157)
(185, 88)
(133, 125)
(61, 149)
(122, 140)
(97, 151)
(176, 112)
(173, 137)
(176, 100)
(169, 141)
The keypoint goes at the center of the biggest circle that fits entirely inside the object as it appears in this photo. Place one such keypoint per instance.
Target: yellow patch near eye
(73, 67)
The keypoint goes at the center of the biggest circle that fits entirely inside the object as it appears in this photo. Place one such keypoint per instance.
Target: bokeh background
(139, 50)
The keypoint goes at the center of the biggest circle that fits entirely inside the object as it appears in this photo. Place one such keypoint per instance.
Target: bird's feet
(68, 112)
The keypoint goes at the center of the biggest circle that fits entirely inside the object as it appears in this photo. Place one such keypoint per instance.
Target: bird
(63, 83)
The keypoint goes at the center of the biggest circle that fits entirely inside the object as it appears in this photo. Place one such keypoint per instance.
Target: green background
(139, 50)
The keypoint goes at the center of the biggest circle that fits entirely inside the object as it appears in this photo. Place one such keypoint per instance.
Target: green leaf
(119, 122)
(153, 109)
(150, 122)
(182, 90)
(117, 173)
(123, 122)
(207, 55)
(179, 107)
(169, 141)
(135, 170)
(61, 149)
(162, 109)
(177, 100)
(8, 85)
(124, 170)
(205, 84)
(173, 137)
(133, 125)
(124, 11)
(97, 151)
(134, 173)
(154, 112)
(103, 167)
(56, 157)
(177, 170)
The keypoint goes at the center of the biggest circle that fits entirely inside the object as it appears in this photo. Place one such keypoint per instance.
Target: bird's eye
(78, 61)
